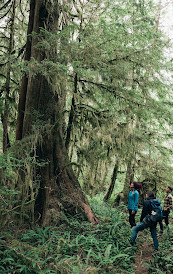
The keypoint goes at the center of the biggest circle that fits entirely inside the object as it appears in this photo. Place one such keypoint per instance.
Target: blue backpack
(156, 213)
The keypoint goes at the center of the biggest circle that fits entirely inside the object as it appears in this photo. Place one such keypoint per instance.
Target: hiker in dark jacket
(146, 221)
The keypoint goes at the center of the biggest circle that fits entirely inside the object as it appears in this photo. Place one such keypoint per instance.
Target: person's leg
(133, 222)
(163, 215)
(154, 236)
(166, 217)
(135, 231)
(132, 218)
(161, 226)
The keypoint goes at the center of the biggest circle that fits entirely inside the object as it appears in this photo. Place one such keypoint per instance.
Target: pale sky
(167, 17)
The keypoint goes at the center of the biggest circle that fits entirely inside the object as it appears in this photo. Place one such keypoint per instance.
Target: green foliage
(73, 246)
(122, 99)
(17, 195)
(121, 68)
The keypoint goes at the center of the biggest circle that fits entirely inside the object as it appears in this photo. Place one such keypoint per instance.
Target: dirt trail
(144, 254)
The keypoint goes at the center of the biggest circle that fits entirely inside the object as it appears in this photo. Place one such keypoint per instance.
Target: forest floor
(145, 250)
(144, 253)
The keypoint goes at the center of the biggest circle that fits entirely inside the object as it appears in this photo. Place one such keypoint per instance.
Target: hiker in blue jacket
(146, 221)
(133, 199)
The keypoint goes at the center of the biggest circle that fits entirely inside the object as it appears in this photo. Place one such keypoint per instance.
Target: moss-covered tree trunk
(43, 113)
(129, 178)
(4, 117)
(112, 182)
(24, 81)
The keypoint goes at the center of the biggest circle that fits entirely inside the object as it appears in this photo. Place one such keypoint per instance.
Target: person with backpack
(151, 214)
(167, 206)
(133, 199)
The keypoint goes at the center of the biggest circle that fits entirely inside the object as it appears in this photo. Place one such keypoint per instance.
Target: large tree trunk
(24, 83)
(43, 120)
(129, 179)
(71, 116)
(112, 183)
(4, 117)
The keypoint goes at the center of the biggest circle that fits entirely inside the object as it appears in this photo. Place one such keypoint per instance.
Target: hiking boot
(133, 244)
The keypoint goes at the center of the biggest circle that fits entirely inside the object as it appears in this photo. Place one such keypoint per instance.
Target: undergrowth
(163, 261)
(73, 245)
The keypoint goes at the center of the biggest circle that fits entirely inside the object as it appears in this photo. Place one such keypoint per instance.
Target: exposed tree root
(89, 214)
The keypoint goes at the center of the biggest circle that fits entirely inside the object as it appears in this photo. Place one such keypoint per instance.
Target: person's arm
(167, 203)
(170, 202)
(136, 199)
(144, 211)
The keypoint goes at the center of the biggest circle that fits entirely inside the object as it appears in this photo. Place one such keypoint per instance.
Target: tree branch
(5, 5)
(109, 89)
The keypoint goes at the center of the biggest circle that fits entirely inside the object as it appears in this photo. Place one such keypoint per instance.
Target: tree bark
(129, 179)
(43, 117)
(112, 183)
(71, 116)
(6, 142)
(24, 82)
